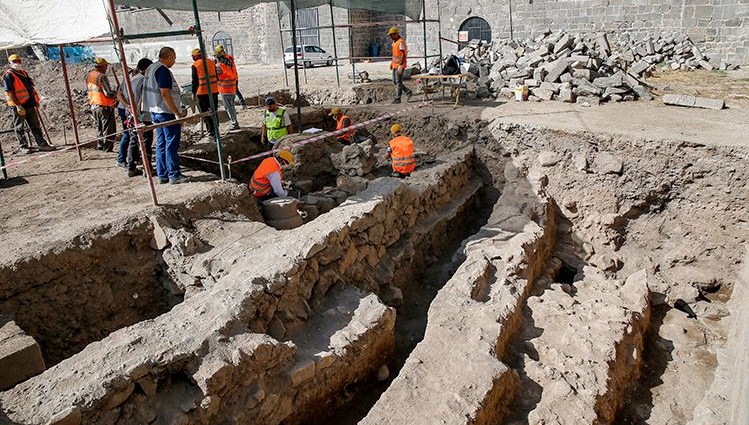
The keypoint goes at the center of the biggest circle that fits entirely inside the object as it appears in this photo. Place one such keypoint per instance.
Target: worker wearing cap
(342, 121)
(267, 180)
(23, 99)
(103, 100)
(398, 64)
(200, 84)
(161, 97)
(227, 83)
(276, 123)
(401, 153)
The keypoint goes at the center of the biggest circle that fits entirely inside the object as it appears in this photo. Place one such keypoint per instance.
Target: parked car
(307, 56)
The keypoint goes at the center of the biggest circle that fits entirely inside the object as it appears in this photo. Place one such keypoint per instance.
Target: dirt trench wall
(163, 358)
(473, 317)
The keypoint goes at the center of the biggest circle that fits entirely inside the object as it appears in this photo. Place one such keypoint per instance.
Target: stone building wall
(720, 27)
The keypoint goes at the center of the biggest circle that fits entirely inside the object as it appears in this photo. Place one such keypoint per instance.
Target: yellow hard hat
(393, 30)
(335, 111)
(196, 52)
(101, 62)
(14, 58)
(219, 50)
(396, 128)
(286, 155)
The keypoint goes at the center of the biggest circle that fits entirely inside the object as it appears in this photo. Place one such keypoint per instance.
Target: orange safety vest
(19, 88)
(95, 89)
(227, 79)
(402, 155)
(347, 135)
(202, 80)
(399, 56)
(259, 183)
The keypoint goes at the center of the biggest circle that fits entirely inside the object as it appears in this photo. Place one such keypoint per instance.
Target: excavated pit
(533, 276)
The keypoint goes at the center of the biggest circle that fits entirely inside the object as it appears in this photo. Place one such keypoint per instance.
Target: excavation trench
(533, 277)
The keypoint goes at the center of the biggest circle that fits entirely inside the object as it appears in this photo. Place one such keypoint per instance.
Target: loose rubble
(582, 68)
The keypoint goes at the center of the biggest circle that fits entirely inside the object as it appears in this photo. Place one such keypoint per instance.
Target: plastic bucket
(521, 93)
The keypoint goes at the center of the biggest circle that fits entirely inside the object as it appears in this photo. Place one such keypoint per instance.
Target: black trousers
(32, 118)
(204, 104)
(133, 147)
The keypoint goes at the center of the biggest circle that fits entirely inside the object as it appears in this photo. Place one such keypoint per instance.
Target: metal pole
(296, 69)
(216, 130)
(335, 44)
(283, 50)
(351, 47)
(439, 32)
(133, 106)
(424, 26)
(511, 33)
(70, 103)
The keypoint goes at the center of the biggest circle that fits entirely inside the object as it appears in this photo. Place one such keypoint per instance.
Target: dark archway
(478, 29)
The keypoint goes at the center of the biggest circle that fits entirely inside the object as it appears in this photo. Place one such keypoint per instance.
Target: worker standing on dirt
(401, 153)
(276, 123)
(343, 121)
(227, 83)
(267, 180)
(103, 100)
(200, 83)
(162, 100)
(398, 64)
(23, 99)
(133, 147)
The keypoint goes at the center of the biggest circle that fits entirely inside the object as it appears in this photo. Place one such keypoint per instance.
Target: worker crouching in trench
(267, 180)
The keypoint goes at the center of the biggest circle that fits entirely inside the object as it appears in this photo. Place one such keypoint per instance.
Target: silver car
(307, 56)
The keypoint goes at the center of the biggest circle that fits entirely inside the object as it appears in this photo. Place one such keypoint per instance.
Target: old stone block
(555, 70)
(548, 158)
(608, 163)
(693, 102)
(567, 95)
(642, 92)
(612, 81)
(20, 356)
(544, 94)
(588, 100)
(638, 68)
(302, 372)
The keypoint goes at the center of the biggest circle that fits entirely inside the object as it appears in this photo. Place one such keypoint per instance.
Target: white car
(307, 56)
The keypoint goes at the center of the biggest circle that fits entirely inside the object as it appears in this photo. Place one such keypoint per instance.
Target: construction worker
(162, 100)
(276, 123)
(398, 64)
(23, 99)
(200, 84)
(342, 121)
(133, 147)
(103, 100)
(227, 83)
(401, 153)
(267, 180)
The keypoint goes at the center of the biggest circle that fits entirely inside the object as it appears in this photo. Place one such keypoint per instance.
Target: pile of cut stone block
(579, 68)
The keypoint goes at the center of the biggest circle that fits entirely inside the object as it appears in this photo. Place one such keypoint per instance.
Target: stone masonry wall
(720, 27)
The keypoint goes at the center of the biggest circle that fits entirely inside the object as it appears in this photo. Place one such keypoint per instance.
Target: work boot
(179, 179)
(163, 180)
(134, 173)
(46, 148)
(26, 150)
(234, 126)
(121, 164)
(396, 101)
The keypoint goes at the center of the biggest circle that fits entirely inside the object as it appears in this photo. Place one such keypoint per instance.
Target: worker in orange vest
(342, 121)
(267, 180)
(401, 153)
(200, 84)
(23, 99)
(398, 64)
(228, 78)
(103, 100)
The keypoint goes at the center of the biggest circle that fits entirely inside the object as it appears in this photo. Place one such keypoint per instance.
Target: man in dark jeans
(133, 146)
(22, 97)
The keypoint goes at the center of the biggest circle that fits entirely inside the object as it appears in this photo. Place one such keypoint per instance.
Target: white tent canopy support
(410, 8)
(28, 22)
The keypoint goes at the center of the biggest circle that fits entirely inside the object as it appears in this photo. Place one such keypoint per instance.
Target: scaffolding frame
(348, 26)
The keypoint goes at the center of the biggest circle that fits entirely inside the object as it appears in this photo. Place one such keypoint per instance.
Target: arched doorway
(223, 39)
(477, 28)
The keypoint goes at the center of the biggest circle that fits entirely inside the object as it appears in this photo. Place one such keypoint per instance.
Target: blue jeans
(167, 146)
(125, 141)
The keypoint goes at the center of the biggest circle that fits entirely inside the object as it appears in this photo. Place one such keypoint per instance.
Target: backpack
(452, 67)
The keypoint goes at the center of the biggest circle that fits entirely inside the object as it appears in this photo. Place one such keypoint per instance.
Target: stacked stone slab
(583, 68)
